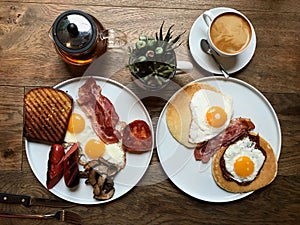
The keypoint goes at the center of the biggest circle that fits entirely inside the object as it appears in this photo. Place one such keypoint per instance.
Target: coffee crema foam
(230, 33)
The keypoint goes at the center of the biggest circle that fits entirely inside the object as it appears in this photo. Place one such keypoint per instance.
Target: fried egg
(80, 130)
(78, 126)
(243, 161)
(94, 148)
(211, 114)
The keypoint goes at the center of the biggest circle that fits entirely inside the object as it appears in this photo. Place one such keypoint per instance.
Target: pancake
(179, 114)
(266, 176)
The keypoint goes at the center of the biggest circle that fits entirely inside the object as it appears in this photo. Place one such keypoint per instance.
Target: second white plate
(194, 177)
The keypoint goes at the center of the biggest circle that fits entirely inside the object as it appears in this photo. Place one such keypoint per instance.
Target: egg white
(113, 152)
(201, 101)
(244, 147)
(87, 132)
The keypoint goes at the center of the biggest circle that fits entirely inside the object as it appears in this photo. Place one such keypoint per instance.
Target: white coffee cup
(229, 33)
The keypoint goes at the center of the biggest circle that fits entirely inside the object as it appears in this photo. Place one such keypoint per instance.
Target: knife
(30, 201)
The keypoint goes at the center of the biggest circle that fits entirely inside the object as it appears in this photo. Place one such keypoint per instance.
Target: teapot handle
(115, 38)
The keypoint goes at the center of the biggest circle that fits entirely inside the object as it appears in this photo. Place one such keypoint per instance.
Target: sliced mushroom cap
(101, 180)
(101, 168)
(100, 175)
(92, 179)
(97, 190)
(109, 184)
(104, 189)
(112, 170)
(105, 195)
(91, 164)
(83, 174)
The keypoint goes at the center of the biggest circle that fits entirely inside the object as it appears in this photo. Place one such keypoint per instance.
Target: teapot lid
(74, 31)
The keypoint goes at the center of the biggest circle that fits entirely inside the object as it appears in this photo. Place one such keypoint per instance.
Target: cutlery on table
(207, 49)
(62, 215)
(30, 201)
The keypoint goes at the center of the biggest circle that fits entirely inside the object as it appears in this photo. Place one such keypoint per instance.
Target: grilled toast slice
(47, 114)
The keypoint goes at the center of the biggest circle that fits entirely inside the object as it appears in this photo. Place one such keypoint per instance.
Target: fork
(62, 215)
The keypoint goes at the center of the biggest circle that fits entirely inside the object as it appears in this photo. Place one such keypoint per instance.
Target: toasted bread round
(47, 113)
(266, 176)
(179, 114)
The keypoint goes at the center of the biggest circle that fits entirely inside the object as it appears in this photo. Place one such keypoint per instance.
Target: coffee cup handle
(208, 17)
(115, 38)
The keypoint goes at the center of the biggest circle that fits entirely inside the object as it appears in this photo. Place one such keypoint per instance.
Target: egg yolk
(216, 116)
(94, 148)
(243, 166)
(76, 123)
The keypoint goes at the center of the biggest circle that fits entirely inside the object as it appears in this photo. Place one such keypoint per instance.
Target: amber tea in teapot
(79, 38)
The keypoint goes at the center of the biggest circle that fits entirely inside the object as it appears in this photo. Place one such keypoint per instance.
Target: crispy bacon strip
(100, 111)
(237, 128)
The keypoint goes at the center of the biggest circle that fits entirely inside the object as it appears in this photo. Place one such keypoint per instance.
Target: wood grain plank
(166, 204)
(171, 206)
(36, 19)
(11, 127)
(256, 5)
(287, 107)
(28, 60)
(11, 150)
(11, 108)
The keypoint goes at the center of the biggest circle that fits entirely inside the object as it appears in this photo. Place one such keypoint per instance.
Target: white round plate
(231, 64)
(129, 108)
(194, 177)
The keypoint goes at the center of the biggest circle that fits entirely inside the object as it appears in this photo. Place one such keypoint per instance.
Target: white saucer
(231, 64)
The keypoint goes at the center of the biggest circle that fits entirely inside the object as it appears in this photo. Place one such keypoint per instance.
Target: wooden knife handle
(15, 199)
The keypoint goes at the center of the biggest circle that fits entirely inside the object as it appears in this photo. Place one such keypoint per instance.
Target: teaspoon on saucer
(207, 49)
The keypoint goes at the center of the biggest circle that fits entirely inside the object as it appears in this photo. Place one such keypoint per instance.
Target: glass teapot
(79, 38)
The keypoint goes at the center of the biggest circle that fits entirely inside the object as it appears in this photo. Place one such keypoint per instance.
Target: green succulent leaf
(159, 50)
(143, 37)
(161, 31)
(169, 34)
(153, 59)
(177, 38)
(140, 44)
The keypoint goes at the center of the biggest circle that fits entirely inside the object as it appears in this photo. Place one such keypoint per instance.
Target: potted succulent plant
(152, 61)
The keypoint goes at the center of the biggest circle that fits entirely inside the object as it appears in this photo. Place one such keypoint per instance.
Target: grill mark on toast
(39, 117)
(47, 114)
(54, 109)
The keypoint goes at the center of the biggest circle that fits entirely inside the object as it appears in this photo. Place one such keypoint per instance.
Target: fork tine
(68, 216)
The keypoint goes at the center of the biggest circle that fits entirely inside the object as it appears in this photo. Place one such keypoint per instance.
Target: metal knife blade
(31, 201)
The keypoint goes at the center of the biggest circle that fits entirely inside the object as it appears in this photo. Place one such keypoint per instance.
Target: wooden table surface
(28, 59)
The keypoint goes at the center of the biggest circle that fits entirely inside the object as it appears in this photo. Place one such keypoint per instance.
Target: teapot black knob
(72, 29)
